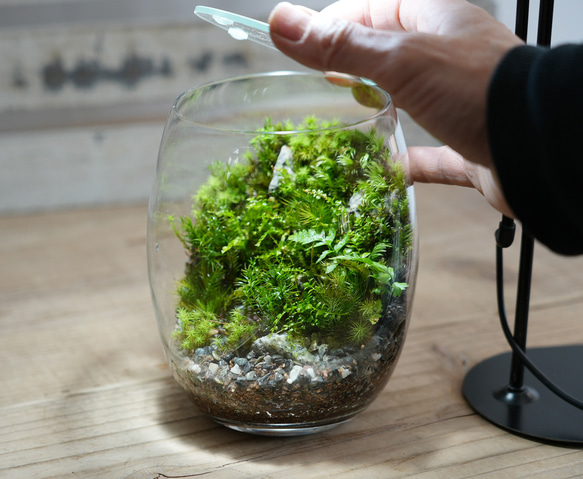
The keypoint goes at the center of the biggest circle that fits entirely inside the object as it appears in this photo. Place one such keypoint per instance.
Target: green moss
(309, 256)
(359, 331)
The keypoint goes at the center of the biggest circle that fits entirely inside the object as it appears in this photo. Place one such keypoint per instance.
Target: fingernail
(289, 21)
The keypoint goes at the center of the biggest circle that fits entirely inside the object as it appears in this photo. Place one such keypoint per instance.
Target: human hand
(435, 58)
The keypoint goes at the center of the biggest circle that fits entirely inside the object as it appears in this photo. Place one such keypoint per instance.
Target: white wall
(85, 87)
(567, 19)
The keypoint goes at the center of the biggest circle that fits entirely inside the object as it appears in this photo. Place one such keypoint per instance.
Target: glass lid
(238, 26)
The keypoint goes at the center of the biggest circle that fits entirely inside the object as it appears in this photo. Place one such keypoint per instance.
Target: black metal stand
(521, 403)
(505, 392)
(535, 412)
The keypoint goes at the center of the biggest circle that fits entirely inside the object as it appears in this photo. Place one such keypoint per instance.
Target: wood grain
(86, 391)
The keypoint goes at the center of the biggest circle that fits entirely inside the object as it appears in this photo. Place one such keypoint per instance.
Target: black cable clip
(505, 232)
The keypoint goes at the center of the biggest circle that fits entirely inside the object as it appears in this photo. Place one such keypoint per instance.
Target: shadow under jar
(282, 248)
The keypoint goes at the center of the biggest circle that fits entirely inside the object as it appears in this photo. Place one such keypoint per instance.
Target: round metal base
(535, 413)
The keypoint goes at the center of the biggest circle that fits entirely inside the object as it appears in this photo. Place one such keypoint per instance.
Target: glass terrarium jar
(282, 248)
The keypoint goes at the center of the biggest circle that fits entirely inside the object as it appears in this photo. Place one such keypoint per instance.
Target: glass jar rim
(342, 79)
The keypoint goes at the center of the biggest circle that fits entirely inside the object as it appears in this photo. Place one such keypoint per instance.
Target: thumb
(327, 44)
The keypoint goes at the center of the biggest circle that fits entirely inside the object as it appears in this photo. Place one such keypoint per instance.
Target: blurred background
(85, 87)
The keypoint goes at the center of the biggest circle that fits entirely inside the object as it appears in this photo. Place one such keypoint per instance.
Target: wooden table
(85, 391)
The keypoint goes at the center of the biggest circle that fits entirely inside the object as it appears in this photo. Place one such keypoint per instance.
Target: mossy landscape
(298, 236)
(292, 310)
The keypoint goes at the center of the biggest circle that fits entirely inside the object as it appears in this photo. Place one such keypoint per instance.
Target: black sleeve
(535, 128)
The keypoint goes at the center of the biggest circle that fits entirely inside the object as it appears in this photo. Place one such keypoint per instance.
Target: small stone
(375, 356)
(284, 163)
(242, 362)
(195, 368)
(267, 360)
(228, 356)
(236, 369)
(263, 380)
(354, 203)
(344, 372)
(206, 351)
(213, 368)
(265, 367)
(310, 372)
(294, 374)
(250, 376)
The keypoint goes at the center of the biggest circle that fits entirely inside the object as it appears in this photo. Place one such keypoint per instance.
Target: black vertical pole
(516, 384)
(545, 22)
(516, 381)
(521, 29)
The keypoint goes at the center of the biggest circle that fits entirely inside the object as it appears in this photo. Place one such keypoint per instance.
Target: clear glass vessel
(282, 248)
